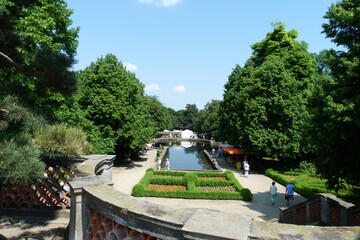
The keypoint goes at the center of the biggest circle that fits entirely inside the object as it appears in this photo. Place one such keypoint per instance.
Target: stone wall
(326, 210)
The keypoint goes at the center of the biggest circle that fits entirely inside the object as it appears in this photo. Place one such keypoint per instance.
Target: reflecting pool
(187, 156)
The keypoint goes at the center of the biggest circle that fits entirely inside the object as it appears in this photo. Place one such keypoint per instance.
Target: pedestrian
(213, 151)
(159, 165)
(167, 164)
(245, 160)
(246, 169)
(289, 193)
(273, 193)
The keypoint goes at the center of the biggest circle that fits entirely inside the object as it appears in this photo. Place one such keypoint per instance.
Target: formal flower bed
(218, 188)
(214, 178)
(166, 188)
(195, 185)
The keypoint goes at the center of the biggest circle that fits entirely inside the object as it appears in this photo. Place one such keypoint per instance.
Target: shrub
(20, 164)
(60, 139)
(191, 177)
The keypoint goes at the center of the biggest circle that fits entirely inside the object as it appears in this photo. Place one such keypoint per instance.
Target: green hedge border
(191, 180)
(306, 189)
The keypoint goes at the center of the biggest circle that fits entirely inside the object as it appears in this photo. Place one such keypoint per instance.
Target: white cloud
(179, 88)
(161, 3)
(130, 67)
(152, 87)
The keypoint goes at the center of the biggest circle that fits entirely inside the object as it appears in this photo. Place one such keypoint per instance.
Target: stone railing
(326, 210)
(98, 211)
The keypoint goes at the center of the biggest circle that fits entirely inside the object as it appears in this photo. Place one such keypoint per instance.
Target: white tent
(187, 134)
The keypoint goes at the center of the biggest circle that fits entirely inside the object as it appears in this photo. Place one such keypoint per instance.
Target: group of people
(289, 193)
(167, 164)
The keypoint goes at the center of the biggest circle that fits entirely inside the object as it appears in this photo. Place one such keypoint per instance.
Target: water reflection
(188, 156)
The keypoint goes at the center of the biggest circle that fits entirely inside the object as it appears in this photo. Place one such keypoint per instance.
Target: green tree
(338, 118)
(159, 113)
(208, 119)
(37, 49)
(265, 102)
(177, 118)
(114, 100)
(190, 115)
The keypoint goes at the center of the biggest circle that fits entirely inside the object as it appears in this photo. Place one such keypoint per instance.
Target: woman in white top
(167, 164)
(273, 193)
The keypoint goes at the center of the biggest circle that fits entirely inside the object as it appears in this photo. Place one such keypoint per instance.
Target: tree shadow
(27, 224)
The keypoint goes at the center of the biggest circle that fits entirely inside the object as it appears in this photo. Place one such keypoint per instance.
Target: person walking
(245, 160)
(246, 169)
(167, 164)
(273, 193)
(289, 193)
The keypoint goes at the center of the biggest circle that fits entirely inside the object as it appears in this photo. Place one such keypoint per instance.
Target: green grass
(195, 187)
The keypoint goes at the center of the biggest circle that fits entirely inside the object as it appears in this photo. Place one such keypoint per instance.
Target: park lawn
(191, 185)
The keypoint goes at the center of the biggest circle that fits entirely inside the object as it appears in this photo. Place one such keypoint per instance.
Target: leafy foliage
(20, 163)
(37, 49)
(37, 41)
(185, 118)
(159, 114)
(337, 119)
(208, 119)
(60, 139)
(19, 159)
(265, 102)
(113, 99)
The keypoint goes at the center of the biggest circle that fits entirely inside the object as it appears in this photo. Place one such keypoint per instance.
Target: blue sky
(184, 50)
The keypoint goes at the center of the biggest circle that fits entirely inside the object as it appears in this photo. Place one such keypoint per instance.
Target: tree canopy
(37, 50)
(265, 102)
(159, 113)
(338, 117)
(113, 99)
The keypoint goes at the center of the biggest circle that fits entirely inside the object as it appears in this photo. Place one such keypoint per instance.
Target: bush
(60, 139)
(20, 164)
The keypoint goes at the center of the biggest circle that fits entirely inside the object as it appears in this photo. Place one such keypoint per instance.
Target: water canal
(187, 156)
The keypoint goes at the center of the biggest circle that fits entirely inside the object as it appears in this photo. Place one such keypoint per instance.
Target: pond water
(187, 156)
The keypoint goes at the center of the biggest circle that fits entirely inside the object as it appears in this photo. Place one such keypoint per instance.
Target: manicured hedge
(303, 187)
(191, 180)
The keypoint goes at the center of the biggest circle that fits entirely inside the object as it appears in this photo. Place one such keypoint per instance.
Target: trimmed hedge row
(303, 187)
(191, 181)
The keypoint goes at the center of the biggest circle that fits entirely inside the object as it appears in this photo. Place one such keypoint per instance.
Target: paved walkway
(260, 208)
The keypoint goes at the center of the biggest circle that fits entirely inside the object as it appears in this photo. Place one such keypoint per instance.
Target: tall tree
(208, 119)
(338, 118)
(191, 112)
(159, 113)
(114, 100)
(37, 49)
(266, 100)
